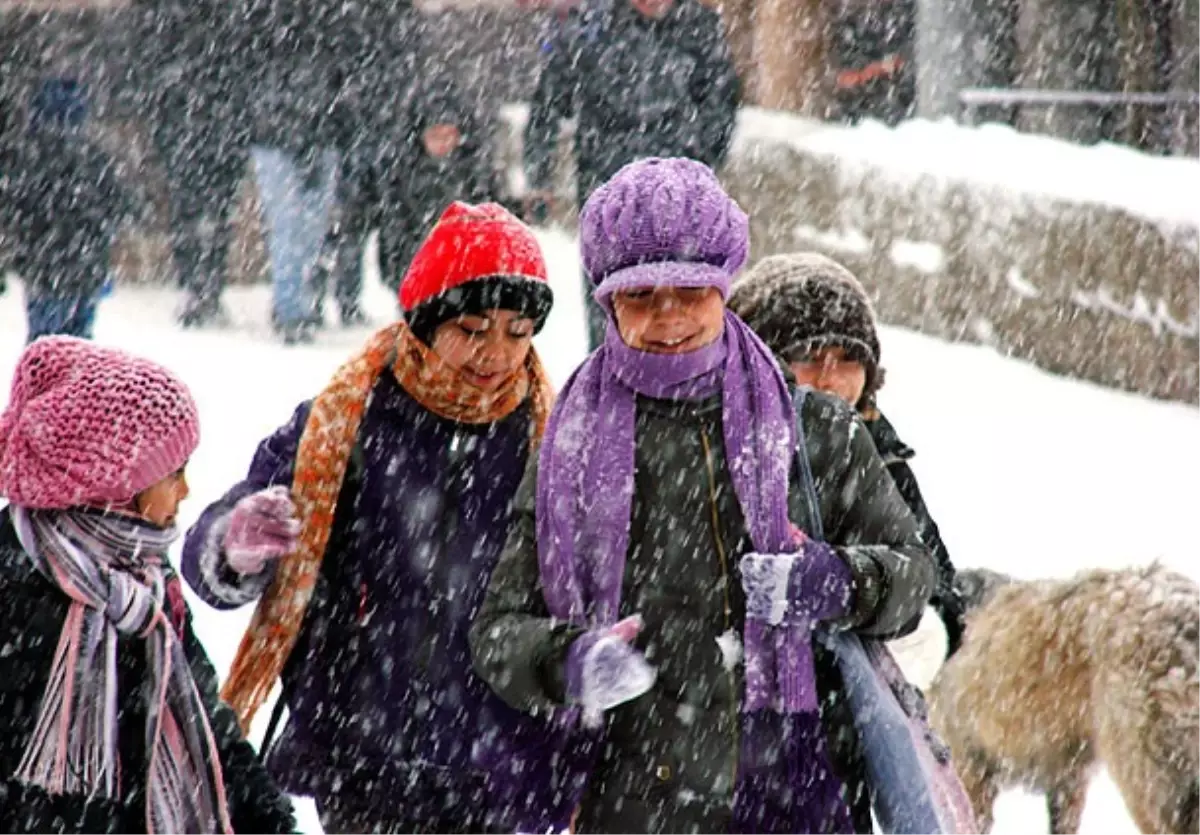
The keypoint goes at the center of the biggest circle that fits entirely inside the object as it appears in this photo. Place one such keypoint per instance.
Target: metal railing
(971, 99)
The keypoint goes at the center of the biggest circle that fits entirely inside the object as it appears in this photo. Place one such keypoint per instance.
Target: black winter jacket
(30, 624)
(669, 755)
(640, 88)
(295, 63)
(946, 599)
(61, 203)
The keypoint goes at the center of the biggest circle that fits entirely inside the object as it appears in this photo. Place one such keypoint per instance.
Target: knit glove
(810, 586)
(262, 528)
(604, 671)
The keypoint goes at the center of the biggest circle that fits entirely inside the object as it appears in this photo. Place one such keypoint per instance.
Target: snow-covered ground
(1025, 472)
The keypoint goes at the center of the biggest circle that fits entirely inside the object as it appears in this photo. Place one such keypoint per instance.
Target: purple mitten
(604, 671)
(809, 586)
(262, 528)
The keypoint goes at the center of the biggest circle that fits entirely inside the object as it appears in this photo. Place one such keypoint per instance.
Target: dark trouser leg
(53, 315)
(594, 316)
(349, 271)
(398, 243)
(360, 215)
(597, 320)
(44, 316)
(203, 183)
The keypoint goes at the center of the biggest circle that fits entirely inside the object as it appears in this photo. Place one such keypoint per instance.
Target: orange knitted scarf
(321, 461)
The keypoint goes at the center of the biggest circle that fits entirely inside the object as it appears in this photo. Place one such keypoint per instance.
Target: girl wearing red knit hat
(366, 530)
(109, 716)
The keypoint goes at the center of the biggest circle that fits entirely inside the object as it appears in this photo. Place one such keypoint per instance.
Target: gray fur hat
(803, 301)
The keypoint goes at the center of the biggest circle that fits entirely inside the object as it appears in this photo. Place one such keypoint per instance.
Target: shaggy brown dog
(1055, 677)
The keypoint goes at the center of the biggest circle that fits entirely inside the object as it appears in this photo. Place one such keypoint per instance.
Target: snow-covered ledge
(1084, 260)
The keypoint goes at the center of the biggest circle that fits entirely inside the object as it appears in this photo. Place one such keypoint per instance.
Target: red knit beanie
(476, 258)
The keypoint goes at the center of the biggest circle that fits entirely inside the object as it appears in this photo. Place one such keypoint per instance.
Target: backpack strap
(272, 727)
(803, 467)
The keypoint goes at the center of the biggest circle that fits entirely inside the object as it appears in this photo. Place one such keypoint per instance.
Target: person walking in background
(449, 157)
(378, 46)
(60, 208)
(192, 91)
(872, 53)
(645, 78)
(296, 78)
(816, 316)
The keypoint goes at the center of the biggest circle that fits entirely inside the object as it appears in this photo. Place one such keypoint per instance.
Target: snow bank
(1153, 187)
(1083, 259)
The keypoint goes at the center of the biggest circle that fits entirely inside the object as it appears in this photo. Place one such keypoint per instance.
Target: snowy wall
(1083, 260)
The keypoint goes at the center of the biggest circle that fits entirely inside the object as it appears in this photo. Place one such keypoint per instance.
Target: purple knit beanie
(88, 425)
(662, 222)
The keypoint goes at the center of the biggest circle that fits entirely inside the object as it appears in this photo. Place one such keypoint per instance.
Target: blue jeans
(60, 315)
(297, 205)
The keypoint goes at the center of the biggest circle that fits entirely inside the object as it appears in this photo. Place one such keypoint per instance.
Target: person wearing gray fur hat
(818, 319)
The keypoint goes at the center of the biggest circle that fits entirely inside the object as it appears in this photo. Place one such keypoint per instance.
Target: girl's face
(486, 349)
(669, 320)
(159, 503)
(830, 370)
(441, 140)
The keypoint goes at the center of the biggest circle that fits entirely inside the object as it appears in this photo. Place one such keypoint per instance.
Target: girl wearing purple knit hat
(109, 715)
(666, 571)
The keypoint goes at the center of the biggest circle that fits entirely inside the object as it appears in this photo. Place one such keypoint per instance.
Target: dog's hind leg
(1158, 796)
(1065, 801)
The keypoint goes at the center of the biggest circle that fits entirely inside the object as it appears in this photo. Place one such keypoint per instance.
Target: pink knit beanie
(89, 425)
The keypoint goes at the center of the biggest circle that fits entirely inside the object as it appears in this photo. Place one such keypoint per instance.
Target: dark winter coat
(896, 455)
(419, 189)
(670, 757)
(295, 66)
(191, 84)
(60, 206)
(190, 66)
(378, 49)
(30, 624)
(872, 55)
(382, 699)
(640, 88)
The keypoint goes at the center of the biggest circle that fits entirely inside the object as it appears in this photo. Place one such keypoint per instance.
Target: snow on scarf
(111, 569)
(584, 502)
(321, 462)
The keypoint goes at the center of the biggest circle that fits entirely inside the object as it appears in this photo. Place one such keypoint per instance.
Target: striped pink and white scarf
(111, 569)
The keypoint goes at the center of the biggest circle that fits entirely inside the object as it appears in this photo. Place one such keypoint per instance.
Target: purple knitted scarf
(584, 505)
(585, 476)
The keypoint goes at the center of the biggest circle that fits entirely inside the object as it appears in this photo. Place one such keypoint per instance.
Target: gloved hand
(812, 585)
(604, 671)
(262, 528)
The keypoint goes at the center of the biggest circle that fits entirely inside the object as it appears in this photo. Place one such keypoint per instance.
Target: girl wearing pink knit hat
(109, 716)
